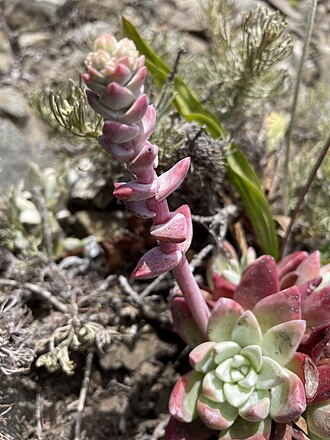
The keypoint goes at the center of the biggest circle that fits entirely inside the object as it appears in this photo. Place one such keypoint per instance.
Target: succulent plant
(297, 289)
(115, 76)
(240, 374)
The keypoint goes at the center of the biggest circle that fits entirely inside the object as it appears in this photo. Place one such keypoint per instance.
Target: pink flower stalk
(115, 76)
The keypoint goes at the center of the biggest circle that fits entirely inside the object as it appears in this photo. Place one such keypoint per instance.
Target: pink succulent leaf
(149, 121)
(308, 287)
(195, 430)
(120, 74)
(184, 323)
(145, 158)
(100, 108)
(281, 341)
(258, 281)
(201, 358)
(216, 416)
(256, 408)
(316, 309)
(297, 434)
(117, 97)
(146, 128)
(184, 396)
(318, 416)
(120, 133)
(95, 75)
(95, 86)
(223, 317)
(172, 179)
(222, 287)
(271, 374)
(134, 191)
(155, 262)
(290, 263)
(185, 211)
(309, 268)
(323, 392)
(281, 431)
(173, 231)
(278, 307)
(317, 343)
(303, 366)
(288, 280)
(135, 113)
(288, 400)
(140, 209)
(135, 84)
(246, 330)
(248, 431)
(116, 150)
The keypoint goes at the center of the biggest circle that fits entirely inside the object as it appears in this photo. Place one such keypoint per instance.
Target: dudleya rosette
(240, 380)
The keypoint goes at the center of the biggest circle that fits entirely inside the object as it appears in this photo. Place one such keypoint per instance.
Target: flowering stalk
(115, 76)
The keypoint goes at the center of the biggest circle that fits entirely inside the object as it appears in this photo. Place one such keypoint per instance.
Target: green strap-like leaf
(239, 170)
(247, 184)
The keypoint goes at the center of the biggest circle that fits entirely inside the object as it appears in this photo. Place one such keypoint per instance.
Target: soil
(126, 354)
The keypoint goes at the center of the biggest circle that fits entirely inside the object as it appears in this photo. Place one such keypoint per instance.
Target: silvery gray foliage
(16, 354)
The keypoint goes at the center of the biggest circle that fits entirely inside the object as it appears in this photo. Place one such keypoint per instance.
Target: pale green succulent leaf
(225, 350)
(246, 330)
(281, 341)
(256, 408)
(249, 380)
(240, 361)
(236, 395)
(237, 375)
(252, 431)
(223, 317)
(223, 370)
(212, 388)
(288, 400)
(271, 374)
(201, 357)
(254, 354)
(318, 416)
(214, 415)
(183, 400)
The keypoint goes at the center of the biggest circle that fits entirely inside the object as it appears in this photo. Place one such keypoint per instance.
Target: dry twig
(83, 393)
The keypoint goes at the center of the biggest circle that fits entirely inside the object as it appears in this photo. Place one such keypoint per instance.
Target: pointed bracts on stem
(115, 77)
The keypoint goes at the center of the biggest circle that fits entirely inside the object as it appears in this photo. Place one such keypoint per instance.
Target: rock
(6, 55)
(35, 39)
(90, 186)
(15, 153)
(13, 105)
(147, 346)
(32, 13)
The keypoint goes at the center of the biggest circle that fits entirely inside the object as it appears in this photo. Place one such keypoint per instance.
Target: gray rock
(6, 55)
(15, 154)
(13, 104)
(34, 39)
(90, 189)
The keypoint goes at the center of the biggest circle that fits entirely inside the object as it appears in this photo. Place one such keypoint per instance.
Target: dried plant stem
(308, 35)
(39, 415)
(41, 204)
(83, 393)
(44, 293)
(303, 193)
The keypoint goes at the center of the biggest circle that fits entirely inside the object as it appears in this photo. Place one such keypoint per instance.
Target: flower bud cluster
(115, 77)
